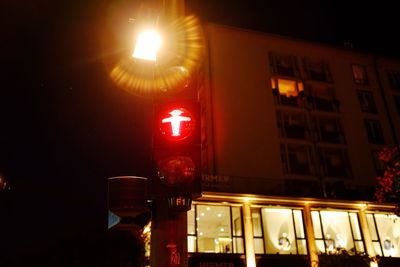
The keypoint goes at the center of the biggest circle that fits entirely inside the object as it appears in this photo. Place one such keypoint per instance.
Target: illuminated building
(290, 146)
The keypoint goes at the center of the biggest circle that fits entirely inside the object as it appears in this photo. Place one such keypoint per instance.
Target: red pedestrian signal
(177, 149)
(177, 125)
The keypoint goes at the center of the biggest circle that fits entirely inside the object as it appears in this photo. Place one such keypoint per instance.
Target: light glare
(147, 46)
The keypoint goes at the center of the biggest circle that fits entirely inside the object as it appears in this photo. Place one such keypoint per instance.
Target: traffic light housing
(177, 148)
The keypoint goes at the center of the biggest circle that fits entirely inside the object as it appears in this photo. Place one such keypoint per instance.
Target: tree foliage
(388, 189)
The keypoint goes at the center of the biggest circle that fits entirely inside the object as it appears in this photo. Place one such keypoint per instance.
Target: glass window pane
(214, 229)
(238, 246)
(389, 234)
(278, 231)
(237, 221)
(355, 226)
(371, 226)
(258, 245)
(359, 246)
(302, 247)
(316, 224)
(298, 223)
(191, 244)
(255, 214)
(336, 227)
(320, 245)
(377, 248)
(191, 222)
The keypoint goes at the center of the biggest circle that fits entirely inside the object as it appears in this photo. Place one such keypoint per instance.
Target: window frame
(295, 230)
(286, 162)
(360, 75)
(233, 236)
(374, 131)
(366, 101)
(394, 80)
(317, 70)
(323, 237)
(324, 152)
(285, 100)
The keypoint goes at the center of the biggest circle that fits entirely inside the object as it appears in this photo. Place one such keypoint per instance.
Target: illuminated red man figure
(175, 121)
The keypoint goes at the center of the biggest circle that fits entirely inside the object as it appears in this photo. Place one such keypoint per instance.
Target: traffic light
(177, 148)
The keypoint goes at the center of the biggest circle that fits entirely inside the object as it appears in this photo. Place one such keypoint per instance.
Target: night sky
(65, 127)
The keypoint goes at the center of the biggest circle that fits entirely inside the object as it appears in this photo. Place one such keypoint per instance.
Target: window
(359, 74)
(291, 125)
(374, 132)
(397, 103)
(329, 130)
(335, 162)
(215, 229)
(296, 159)
(378, 164)
(287, 92)
(284, 64)
(384, 230)
(279, 231)
(366, 100)
(335, 230)
(317, 70)
(322, 98)
(394, 79)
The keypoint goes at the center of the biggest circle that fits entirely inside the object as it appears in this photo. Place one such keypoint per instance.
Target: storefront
(234, 230)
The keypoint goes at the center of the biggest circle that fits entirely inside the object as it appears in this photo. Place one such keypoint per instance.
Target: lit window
(385, 234)
(359, 74)
(286, 91)
(279, 231)
(336, 230)
(215, 229)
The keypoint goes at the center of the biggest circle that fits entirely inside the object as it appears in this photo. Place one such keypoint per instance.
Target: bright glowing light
(175, 68)
(175, 121)
(147, 45)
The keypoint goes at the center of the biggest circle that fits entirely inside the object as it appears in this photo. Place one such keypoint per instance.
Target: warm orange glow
(179, 57)
(147, 45)
(287, 88)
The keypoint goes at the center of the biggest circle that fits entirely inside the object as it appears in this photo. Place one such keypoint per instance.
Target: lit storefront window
(215, 229)
(336, 230)
(278, 231)
(385, 234)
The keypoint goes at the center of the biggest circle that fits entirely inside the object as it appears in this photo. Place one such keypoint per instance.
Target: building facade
(290, 151)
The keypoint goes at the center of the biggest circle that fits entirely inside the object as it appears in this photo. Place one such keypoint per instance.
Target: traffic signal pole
(168, 237)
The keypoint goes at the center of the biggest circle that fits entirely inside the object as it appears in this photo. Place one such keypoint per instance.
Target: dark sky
(65, 127)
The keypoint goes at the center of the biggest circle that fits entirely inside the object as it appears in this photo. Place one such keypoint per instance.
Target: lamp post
(166, 57)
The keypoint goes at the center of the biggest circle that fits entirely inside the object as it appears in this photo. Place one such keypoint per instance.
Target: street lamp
(147, 46)
(165, 58)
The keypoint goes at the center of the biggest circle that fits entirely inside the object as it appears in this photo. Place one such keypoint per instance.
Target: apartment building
(290, 151)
